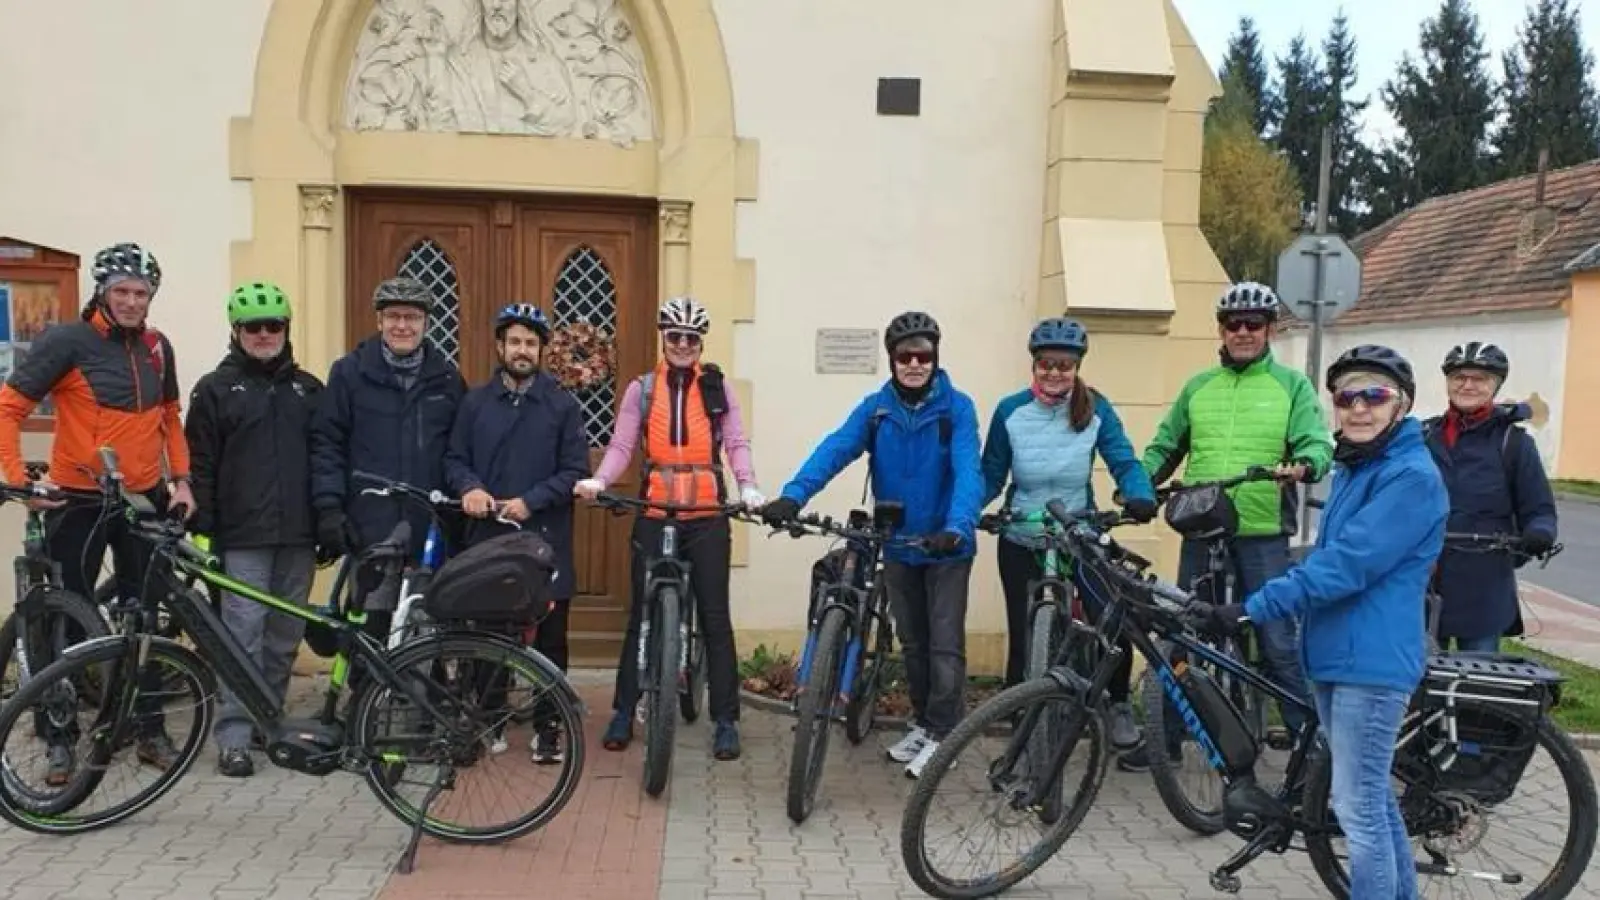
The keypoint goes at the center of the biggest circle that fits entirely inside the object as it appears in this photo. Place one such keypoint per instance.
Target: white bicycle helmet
(126, 259)
(684, 314)
(1248, 297)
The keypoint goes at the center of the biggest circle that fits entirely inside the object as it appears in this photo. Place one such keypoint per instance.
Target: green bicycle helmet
(257, 301)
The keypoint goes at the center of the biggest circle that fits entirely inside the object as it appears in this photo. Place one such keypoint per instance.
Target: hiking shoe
(157, 750)
(59, 765)
(1138, 759)
(909, 746)
(619, 734)
(235, 762)
(546, 746)
(1124, 731)
(725, 746)
(918, 762)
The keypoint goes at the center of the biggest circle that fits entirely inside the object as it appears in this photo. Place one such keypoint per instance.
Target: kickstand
(408, 859)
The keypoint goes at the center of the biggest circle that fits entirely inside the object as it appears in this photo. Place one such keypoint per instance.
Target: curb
(1571, 497)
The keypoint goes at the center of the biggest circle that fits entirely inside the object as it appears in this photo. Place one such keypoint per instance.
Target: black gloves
(779, 512)
(332, 540)
(945, 543)
(1216, 620)
(1536, 543)
(1140, 510)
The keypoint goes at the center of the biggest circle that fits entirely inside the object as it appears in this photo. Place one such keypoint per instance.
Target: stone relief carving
(551, 68)
(316, 206)
(675, 222)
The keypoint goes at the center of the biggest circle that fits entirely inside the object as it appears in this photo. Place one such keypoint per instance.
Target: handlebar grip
(1058, 509)
(108, 461)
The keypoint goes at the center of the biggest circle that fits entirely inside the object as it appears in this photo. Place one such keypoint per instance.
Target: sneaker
(59, 766)
(1138, 759)
(235, 762)
(1124, 731)
(157, 750)
(909, 746)
(620, 732)
(497, 742)
(725, 745)
(929, 747)
(546, 746)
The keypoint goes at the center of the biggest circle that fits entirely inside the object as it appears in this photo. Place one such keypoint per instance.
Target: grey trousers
(930, 610)
(270, 638)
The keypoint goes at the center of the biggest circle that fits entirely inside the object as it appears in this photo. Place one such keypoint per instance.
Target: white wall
(1537, 346)
(863, 216)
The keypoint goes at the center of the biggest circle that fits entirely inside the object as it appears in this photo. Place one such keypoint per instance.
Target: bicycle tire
(692, 695)
(815, 715)
(1575, 855)
(661, 704)
(538, 670)
(55, 603)
(877, 642)
(79, 659)
(1205, 822)
(1042, 645)
(1013, 702)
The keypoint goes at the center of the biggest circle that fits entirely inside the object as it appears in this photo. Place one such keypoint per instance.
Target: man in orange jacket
(114, 385)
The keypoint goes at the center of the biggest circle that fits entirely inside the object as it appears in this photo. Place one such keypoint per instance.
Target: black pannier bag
(1202, 513)
(503, 579)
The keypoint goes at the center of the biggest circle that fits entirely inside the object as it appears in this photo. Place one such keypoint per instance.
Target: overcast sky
(1384, 30)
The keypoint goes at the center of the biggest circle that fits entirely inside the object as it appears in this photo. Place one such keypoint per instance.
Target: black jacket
(528, 445)
(367, 421)
(249, 428)
(1489, 494)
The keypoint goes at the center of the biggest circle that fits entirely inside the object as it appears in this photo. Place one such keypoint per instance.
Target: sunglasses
(681, 338)
(1055, 366)
(1376, 395)
(1250, 325)
(917, 357)
(272, 327)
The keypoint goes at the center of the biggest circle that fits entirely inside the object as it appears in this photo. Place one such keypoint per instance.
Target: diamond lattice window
(428, 263)
(586, 292)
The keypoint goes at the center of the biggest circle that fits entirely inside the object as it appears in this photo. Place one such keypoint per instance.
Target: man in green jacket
(1247, 411)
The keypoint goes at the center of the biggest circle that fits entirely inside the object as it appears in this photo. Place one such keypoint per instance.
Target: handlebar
(1494, 543)
(621, 505)
(996, 521)
(399, 489)
(1254, 473)
(815, 524)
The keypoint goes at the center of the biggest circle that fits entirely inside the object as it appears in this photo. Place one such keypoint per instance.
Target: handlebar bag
(1202, 512)
(506, 578)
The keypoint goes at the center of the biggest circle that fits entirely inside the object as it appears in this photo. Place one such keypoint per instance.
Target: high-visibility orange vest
(680, 446)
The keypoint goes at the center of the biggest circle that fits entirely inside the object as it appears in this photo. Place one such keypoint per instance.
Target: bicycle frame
(665, 569)
(858, 608)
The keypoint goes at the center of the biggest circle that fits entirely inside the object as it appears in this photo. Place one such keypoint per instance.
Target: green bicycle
(429, 704)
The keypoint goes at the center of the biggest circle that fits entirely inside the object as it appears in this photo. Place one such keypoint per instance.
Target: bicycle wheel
(998, 789)
(108, 733)
(1042, 644)
(1446, 843)
(877, 642)
(485, 798)
(62, 619)
(661, 698)
(815, 714)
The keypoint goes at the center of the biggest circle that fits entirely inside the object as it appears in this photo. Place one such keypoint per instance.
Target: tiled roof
(1486, 250)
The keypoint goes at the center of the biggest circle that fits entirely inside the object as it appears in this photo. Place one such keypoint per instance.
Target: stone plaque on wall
(847, 351)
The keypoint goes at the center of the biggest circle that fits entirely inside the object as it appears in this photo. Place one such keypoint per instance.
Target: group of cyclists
(264, 466)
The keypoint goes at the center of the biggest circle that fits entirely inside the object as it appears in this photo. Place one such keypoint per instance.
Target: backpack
(713, 392)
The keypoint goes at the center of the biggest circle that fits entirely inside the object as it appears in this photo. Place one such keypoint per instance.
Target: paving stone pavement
(725, 836)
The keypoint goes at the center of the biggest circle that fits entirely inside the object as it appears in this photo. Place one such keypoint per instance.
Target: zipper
(138, 386)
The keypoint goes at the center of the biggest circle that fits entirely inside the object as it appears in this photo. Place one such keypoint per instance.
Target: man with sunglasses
(249, 431)
(1248, 410)
(921, 435)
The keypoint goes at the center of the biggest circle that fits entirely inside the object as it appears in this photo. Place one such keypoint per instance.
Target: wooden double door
(580, 261)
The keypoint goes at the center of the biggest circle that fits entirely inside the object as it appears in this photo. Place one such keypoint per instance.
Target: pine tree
(1302, 103)
(1443, 102)
(1341, 113)
(1246, 65)
(1550, 102)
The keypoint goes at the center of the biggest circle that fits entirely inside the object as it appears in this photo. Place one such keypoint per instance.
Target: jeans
(269, 638)
(1257, 560)
(1361, 724)
(930, 610)
(1018, 566)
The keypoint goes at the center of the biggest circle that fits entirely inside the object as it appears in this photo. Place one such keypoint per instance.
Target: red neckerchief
(1046, 399)
(1455, 422)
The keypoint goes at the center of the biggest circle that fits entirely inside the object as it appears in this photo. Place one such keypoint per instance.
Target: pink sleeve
(624, 437)
(736, 445)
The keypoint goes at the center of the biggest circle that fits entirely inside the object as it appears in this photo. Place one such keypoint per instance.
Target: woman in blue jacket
(1360, 593)
(921, 435)
(1045, 438)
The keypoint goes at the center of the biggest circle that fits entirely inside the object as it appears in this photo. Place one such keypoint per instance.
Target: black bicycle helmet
(402, 291)
(1477, 355)
(1248, 297)
(1059, 334)
(910, 325)
(125, 259)
(1374, 358)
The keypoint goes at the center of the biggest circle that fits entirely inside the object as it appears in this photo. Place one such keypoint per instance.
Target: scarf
(1047, 400)
(1456, 421)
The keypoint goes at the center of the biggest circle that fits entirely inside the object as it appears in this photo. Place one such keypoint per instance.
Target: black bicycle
(670, 654)
(1461, 753)
(421, 707)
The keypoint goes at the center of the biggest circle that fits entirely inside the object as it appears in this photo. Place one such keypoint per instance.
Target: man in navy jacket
(516, 451)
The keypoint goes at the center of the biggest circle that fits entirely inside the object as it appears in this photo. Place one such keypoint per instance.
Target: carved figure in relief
(512, 80)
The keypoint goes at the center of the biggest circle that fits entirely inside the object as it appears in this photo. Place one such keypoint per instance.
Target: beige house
(807, 168)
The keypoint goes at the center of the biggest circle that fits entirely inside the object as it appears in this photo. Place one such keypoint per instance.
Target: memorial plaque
(848, 351)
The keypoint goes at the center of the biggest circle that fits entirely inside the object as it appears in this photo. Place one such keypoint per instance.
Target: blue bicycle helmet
(1059, 334)
(525, 314)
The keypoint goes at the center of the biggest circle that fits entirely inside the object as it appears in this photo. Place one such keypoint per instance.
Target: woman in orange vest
(686, 420)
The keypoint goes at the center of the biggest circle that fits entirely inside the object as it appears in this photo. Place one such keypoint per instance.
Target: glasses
(1055, 366)
(1234, 326)
(1369, 396)
(404, 318)
(272, 327)
(681, 338)
(1463, 379)
(914, 357)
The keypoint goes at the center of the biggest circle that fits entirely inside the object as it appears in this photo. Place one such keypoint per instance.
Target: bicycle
(429, 681)
(670, 654)
(1476, 543)
(849, 638)
(1443, 801)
